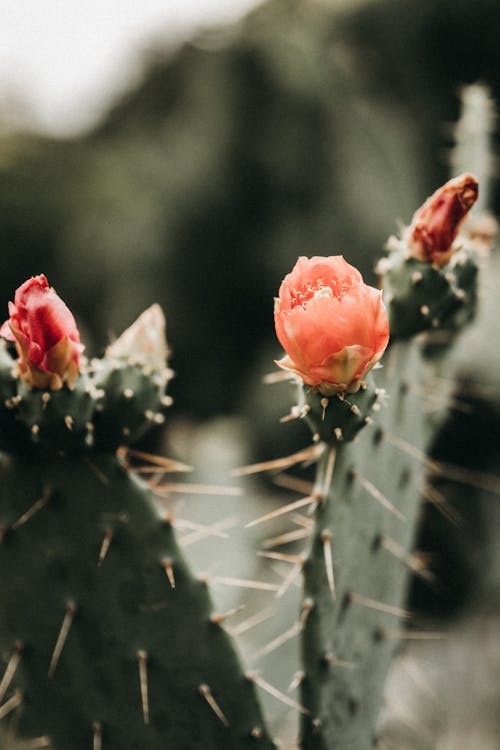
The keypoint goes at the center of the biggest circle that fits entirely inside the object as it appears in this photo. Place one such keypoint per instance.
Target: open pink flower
(435, 225)
(46, 336)
(332, 326)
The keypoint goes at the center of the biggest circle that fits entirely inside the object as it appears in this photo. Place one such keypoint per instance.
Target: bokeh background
(187, 153)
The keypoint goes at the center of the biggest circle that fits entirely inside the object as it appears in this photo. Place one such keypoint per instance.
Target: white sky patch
(62, 61)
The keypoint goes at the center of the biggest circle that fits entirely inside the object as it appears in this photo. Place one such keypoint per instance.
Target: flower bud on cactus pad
(46, 336)
(332, 326)
(430, 274)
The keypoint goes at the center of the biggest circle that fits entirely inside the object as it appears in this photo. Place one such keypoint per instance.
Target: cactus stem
(142, 657)
(277, 642)
(365, 601)
(326, 537)
(312, 499)
(10, 705)
(286, 538)
(61, 638)
(38, 505)
(206, 693)
(10, 669)
(97, 731)
(297, 679)
(311, 453)
(108, 536)
(379, 496)
(242, 583)
(218, 619)
(268, 688)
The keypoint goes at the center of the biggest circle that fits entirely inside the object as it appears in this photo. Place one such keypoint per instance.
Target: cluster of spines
(422, 296)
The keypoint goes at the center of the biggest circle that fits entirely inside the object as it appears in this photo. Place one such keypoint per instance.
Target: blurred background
(186, 153)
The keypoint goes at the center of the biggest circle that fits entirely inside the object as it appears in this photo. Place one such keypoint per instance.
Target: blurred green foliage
(303, 130)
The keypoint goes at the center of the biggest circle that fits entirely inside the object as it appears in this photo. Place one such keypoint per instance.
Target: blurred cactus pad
(107, 639)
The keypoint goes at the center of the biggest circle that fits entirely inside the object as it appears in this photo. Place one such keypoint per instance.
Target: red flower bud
(46, 336)
(331, 324)
(435, 225)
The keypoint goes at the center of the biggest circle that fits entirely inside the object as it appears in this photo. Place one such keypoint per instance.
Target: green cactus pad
(97, 642)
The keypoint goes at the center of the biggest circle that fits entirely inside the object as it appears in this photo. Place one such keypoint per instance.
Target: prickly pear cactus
(373, 467)
(106, 638)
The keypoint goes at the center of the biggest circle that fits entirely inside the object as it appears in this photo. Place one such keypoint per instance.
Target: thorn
(338, 434)
(412, 635)
(297, 679)
(311, 453)
(326, 537)
(97, 729)
(10, 669)
(289, 579)
(379, 606)
(356, 410)
(219, 619)
(379, 496)
(324, 403)
(38, 505)
(169, 570)
(207, 531)
(159, 418)
(128, 393)
(296, 484)
(126, 431)
(289, 536)
(328, 476)
(275, 643)
(313, 499)
(184, 523)
(252, 621)
(45, 399)
(253, 677)
(206, 693)
(425, 310)
(298, 559)
(414, 562)
(197, 489)
(316, 725)
(108, 536)
(149, 414)
(416, 277)
(301, 520)
(307, 607)
(256, 733)
(11, 704)
(142, 657)
(35, 429)
(61, 639)
(244, 583)
(68, 421)
(332, 661)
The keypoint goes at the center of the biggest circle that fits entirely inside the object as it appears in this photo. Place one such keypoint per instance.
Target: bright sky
(62, 60)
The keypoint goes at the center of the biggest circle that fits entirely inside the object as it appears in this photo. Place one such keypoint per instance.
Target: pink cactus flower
(332, 326)
(46, 336)
(434, 227)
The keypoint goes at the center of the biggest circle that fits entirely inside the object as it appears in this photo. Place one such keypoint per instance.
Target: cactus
(107, 639)
(367, 496)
